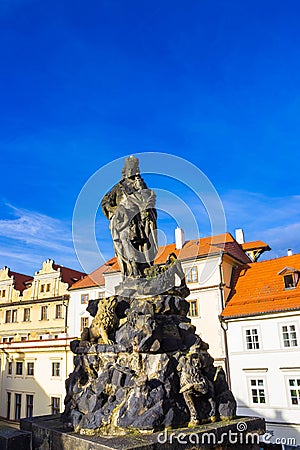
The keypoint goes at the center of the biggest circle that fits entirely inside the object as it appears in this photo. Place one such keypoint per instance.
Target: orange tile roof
(255, 245)
(259, 289)
(191, 249)
(95, 278)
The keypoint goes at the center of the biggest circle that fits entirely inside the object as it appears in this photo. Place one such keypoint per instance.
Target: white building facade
(262, 319)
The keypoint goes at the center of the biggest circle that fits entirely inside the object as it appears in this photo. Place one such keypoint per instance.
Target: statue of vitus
(130, 207)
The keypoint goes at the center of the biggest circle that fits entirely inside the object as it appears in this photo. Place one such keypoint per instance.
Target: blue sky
(85, 83)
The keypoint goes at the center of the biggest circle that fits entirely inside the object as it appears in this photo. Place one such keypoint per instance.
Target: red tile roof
(68, 275)
(20, 280)
(259, 288)
(191, 249)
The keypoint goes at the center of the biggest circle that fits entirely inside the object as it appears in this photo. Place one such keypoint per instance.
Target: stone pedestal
(13, 439)
(48, 433)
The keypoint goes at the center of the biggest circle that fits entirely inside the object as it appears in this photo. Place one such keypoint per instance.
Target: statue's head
(131, 167)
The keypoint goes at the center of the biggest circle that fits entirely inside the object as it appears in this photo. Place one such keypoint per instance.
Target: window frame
(18, 406)
(247, 343)
(191, 302)
(251, 387)
(19, 364)
(289, 378)
(283, 340)
(58, 308)
(31, 365)
(84, 298)
(56, 369)
(82, 326)
(29, 405)
(191, 278)
(8, 315)
(14, 316)
(25, 318)
(55, 409)
(44, 308)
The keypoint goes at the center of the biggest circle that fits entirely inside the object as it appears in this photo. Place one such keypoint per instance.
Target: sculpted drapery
(130, 207)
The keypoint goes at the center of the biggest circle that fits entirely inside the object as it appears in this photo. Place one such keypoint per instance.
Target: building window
(84, 298)
(58, 312)
(84, 322)
(252, 340)
(289, 336)
(289, 281)
(14, 316)
(23, 338)
(4, 340)
(294, 387)
(44, 312)
(18, 406)
(8, 405)
(8, 316)
(100, 295)
(48, 287)
(19, 368)
(9, 368)
(56, 369)
(191, 275)
(30, 368)
(55, 405)
(29, 405)
(3, 293)
(193, 311)
(42, 288)
(26, 317)
(258, 391)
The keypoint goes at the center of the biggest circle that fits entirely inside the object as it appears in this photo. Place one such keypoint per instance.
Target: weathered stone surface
(12, 439)
(49, 434)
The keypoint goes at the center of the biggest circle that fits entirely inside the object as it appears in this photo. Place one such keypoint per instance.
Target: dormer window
(290, 277)
(289, 281)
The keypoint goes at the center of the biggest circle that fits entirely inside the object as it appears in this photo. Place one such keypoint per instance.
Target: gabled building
(209, 264)
(262, 323)
(34, 350)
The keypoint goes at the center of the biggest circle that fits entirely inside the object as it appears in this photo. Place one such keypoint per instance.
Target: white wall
(272, 362)
(42, 385)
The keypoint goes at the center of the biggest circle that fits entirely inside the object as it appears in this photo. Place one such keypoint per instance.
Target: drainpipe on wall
(66, 305)
(224, 325)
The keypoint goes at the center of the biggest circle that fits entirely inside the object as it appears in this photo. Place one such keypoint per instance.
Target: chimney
(239, 236)
(290, 252)
(179, 238)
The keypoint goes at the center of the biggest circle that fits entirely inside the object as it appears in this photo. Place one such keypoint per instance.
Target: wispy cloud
(275, 220)
(28, 237)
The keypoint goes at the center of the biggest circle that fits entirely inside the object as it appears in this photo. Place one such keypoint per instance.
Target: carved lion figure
(104, 321)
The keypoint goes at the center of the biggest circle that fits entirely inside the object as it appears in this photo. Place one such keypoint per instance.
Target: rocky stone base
(147, 371)
(116, 392)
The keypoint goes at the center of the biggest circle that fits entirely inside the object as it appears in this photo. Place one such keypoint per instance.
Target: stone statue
(194, 384)
(104, 321)
(140, 366)
(130, 207)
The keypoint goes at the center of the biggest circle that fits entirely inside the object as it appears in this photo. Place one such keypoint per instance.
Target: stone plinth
(13, 439)
(48, 433)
